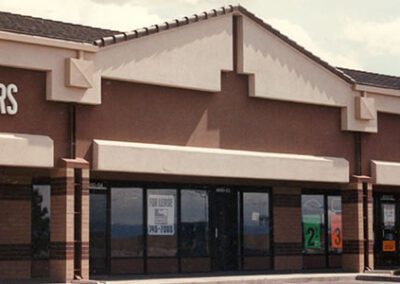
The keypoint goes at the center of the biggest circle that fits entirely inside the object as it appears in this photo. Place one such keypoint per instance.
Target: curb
(387, 278)
(232, 280)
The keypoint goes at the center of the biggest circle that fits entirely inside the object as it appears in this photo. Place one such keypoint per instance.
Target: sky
(358, 34)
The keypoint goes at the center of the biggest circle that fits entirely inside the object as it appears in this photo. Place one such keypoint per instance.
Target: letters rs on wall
(8, 103)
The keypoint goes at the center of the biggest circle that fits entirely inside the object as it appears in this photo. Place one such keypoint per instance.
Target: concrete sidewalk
(245, 279)
(310, 278)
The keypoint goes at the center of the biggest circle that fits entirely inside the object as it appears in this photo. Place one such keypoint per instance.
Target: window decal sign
(389, 246)
(312, 231)
(336, 231)
(8, 103)
(388, 215)
(160, 215)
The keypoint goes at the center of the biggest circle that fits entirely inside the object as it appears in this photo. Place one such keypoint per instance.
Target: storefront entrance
(387, 230)
(174, 228)
(225, 229)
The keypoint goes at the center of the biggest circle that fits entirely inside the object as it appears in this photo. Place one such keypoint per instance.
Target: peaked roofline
(295, 45)
(231, 9)
(168, 25)
(89, 36)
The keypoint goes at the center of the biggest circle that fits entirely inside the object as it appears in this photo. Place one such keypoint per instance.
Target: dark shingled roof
(51, 29)
(373, 79)
(102, 37)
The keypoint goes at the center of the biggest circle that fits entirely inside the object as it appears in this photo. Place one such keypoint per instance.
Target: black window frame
(146, 185)
(325, 193)
(256, 189)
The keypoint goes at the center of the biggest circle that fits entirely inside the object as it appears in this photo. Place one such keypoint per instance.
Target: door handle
(216, 233)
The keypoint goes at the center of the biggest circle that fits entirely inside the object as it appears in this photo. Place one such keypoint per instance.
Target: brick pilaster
(63, 250)
(62, 225)
(353, 227)
(371, 263)
(85, 224)
(287, 228)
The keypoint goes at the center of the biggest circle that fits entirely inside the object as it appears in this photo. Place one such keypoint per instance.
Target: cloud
(122, 16)
(379, 38)
(299, 35)
(190, 1)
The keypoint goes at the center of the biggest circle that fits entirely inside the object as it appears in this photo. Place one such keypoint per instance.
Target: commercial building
(208, 143)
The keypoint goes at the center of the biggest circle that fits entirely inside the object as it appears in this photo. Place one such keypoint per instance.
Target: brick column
(63, 251)
(353, 227)
(286, 214)
(371, 263)
(15, 228)
(85, 223)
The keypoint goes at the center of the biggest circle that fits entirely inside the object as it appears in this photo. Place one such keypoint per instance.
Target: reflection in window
(313, 223)
(98, 231)
(194, 223)
(161, 222)
(256, 222)
(40, 221)
(126, 222)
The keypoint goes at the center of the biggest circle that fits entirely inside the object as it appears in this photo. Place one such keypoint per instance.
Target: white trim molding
(25, 150)
(193, 161)
(385, 173)
(49, 42)
(377, 90)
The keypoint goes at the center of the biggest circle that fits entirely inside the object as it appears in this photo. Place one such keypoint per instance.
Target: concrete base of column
(61, 271)
(288, 263)
(353, 262)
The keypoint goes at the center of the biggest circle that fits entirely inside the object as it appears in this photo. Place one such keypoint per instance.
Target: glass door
(225, 229)
(387, 234)
(322, 230)
(256, 230)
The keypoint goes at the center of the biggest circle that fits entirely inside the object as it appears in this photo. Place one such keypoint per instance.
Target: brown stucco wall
(35, 114)
(229, 119)
(383, 145)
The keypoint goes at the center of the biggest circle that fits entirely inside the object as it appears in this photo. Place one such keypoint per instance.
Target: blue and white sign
(160, 215)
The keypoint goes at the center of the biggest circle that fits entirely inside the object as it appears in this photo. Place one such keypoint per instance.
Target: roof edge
(168, 25)
(369, 88)
(295, 45)
(46, 41)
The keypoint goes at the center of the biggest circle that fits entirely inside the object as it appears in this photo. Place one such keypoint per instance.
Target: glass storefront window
(194, 223)
(313, 220)
(40, 221)
(98, 232)
(161, 222)
(256, 223)
(335, 235)
(136, 229)
(126, 222)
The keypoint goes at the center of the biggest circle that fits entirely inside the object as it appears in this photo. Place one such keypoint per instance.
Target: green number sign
(312, 231)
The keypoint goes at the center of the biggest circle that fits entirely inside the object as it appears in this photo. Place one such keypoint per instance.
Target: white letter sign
(8, 103)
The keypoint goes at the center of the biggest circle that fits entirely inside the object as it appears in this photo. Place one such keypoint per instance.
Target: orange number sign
(336, 231)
